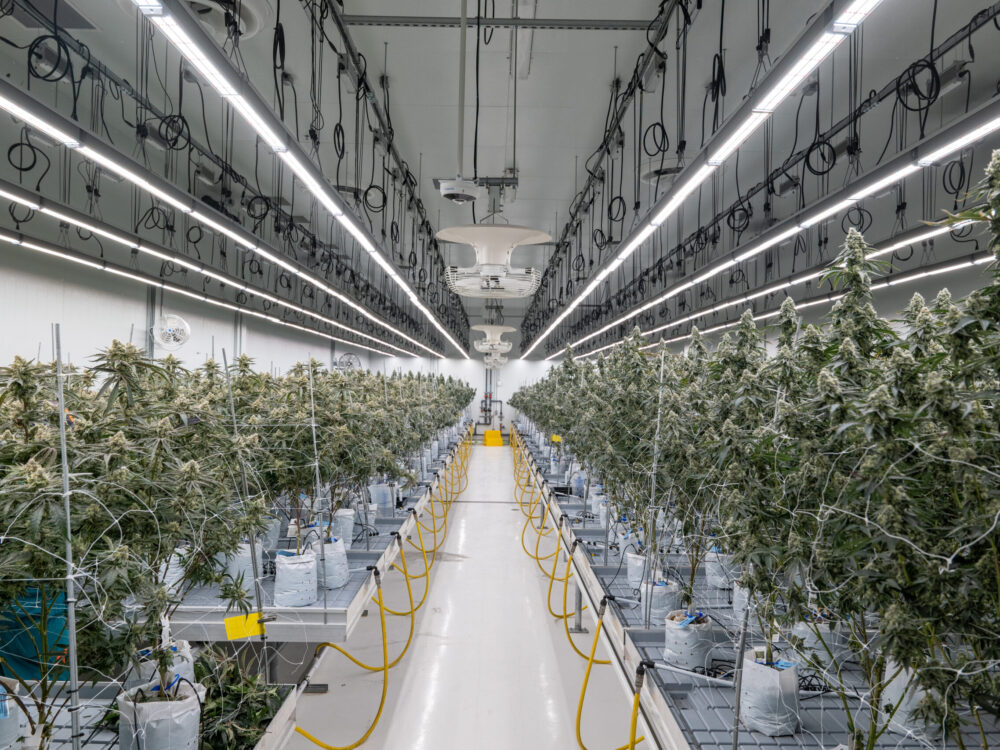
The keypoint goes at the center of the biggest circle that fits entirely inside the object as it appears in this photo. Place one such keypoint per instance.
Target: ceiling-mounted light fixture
(493, 276)
(493, 343)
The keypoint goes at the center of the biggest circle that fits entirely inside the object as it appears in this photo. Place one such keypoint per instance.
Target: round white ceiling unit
(254, 16)
(493, 277)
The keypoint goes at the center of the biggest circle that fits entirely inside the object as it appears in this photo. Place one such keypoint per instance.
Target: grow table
(683, 710)
(334, 615)
(95, 700)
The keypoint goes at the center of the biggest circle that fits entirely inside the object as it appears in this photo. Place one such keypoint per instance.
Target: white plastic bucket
(293, 529)
(241, 564)
(337, 572)
(295, 580)
(769, 696)
(635, 567)
(688, 644)
(160, 725)
(344, 526)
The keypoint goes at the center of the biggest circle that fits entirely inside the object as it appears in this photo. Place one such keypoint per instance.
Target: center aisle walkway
(489, 668)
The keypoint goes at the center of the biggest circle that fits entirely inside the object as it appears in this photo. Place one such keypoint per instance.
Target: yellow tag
(243, 626)
(557, 438)
(492, 438)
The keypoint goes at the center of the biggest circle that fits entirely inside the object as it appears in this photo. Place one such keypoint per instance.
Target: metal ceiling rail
(449, 22)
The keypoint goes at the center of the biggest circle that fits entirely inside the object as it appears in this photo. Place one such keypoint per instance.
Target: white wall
(93, 308)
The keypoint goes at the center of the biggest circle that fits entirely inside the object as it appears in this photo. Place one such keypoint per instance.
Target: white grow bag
(241, 564)
(381, 495)
(173, 571)
(337, 571)
(662, 597)
(344, 524)
(687, 644)
(769, 696)
(720, 572)
(636, 566)
(295, 580)
(160, 725)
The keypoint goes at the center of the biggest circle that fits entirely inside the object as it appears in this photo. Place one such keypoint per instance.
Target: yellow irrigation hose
(633, 725)
(569, 563)
(385, 682)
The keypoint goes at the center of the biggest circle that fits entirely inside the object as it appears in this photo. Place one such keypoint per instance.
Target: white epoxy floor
(489, 668)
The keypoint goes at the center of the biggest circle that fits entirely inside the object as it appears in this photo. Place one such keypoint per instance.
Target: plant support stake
(74, 678)
(253, 545)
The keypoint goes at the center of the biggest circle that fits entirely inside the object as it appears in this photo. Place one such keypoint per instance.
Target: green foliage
(851, 472)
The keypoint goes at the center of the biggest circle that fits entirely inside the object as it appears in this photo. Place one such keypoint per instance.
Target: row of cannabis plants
(850, 470)
(170, 471)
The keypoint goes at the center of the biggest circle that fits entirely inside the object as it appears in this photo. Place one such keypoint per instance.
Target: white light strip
(200, 268)
(828, 41)
(692, 184)
(636, 241)
(189, 49)
(905, 278)
(135, 179)
(801, 70)
(855, 13)
(891, 179)
(959, 143)
(38, 123)
(738, 138)
(53, 251)
(760, 247)
(826, 213)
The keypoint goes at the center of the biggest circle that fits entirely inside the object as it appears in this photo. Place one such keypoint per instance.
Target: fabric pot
(382, 497)
(824, 650)
(147, 671)
(337, 572)
(241, 564)
(13, 724)
(662, 597)
(688, 643)
(578, 483)
(769, 696)
(343, 522)
(720, 572)
(160, 725)
(295, 579)
(635, 567)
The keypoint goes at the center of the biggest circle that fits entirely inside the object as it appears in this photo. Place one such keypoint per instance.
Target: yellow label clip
(557, 438)
(243, 626)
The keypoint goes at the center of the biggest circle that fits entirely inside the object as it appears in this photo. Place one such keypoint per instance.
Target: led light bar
(680, 195)
(946, 267)
(759, 111)
(57, 252)
(802, 69)
(738, 138)
(75, 219)
(127, 174)
(226, 83)
(959, 143)
(890, 179)
(38, 123)
(826, 213)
